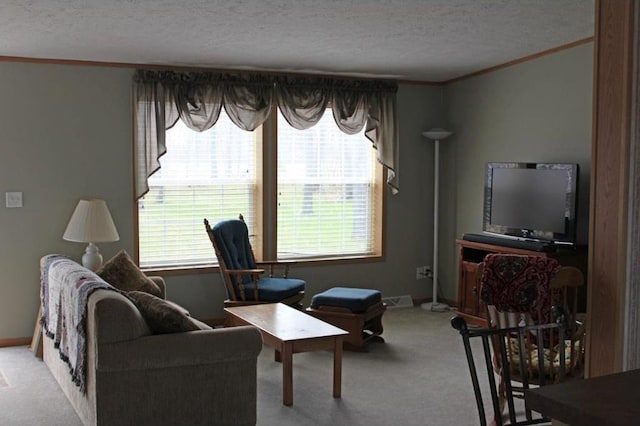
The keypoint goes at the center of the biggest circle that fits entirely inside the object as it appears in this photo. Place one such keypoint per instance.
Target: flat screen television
(532, 201)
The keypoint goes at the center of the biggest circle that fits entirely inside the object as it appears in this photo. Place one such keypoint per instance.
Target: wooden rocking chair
(244, 278)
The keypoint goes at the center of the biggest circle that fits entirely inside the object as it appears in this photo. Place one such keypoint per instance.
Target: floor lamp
(436, 135)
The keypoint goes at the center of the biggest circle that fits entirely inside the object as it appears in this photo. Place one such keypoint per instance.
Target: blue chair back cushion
(354, 299)
(232, 238)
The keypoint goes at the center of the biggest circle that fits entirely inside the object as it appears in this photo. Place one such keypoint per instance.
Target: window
(327, 193)
(211, 174)
(328, 200)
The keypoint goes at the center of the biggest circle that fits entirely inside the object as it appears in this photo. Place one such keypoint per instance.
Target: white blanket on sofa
(64, 292)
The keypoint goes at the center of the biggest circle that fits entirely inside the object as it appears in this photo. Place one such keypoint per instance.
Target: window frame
(265, 246)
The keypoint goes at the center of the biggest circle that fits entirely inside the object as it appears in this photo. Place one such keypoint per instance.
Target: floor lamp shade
(436, 134)
(91, 223)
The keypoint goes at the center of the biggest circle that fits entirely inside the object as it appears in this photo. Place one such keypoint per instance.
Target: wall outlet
(423, 272)
(427, 271)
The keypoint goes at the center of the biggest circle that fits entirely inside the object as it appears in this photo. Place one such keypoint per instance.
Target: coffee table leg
(337, 367)
(287, 374)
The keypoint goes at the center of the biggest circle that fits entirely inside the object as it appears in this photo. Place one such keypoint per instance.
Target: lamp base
(436, 307)
(92, 259)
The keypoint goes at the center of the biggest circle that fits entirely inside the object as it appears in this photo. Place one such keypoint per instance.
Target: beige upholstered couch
(204, 377)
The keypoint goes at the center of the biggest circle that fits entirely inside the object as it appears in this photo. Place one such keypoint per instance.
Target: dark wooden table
(610, 400)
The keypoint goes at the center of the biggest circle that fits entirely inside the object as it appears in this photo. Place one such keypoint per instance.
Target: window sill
(208, 269)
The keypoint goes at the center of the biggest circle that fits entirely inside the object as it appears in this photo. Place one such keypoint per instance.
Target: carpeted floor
(418, 377)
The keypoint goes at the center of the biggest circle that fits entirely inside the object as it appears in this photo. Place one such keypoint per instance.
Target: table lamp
(91, 223)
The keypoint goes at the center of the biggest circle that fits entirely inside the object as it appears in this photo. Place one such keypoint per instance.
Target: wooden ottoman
(356, 310)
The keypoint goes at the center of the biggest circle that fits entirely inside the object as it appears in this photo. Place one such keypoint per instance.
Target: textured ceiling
(423, 40)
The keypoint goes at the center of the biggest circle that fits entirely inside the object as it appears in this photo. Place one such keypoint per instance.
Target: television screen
(531, 200)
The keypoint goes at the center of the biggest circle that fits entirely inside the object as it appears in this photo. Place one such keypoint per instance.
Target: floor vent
(398, 301)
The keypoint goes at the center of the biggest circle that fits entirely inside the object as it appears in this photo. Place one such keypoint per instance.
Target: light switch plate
(14, 199)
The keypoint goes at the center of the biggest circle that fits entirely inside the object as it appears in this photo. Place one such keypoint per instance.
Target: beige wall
(65, 134)
(536, 111)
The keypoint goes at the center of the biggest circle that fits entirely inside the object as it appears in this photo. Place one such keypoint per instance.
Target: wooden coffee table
(291, 331)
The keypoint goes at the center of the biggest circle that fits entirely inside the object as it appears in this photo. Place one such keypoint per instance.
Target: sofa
(134, 376)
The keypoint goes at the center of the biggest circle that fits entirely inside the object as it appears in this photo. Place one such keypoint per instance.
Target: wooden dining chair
(524, 290)
(483, 346)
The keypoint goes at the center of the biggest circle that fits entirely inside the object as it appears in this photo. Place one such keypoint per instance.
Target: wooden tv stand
(471, 254)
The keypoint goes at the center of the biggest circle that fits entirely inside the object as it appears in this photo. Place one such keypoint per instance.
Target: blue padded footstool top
(354, 299)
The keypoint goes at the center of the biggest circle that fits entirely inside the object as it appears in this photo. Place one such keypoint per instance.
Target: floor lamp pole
(436, 220)
(436, 135)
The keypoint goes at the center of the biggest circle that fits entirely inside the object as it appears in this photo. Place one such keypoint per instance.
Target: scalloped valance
(197, 98)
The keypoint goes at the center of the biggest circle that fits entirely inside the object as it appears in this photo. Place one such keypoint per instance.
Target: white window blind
(326, 192)
(209, 174)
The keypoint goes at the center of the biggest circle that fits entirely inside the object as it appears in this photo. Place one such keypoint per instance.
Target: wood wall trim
(186, 68)
(609, 187)
(632, 336)
(241, 71)
(17, 341)
(523, 59)
(52, 61)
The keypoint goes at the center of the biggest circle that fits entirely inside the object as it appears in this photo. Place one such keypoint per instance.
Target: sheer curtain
(163, 97)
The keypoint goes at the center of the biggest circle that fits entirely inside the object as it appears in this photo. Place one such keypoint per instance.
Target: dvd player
(525, 244)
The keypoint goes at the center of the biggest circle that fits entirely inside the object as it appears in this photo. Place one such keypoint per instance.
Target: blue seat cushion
(275, 289)
(354, 299)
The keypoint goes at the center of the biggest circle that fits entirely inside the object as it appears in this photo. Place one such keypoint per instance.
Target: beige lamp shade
(91, 223)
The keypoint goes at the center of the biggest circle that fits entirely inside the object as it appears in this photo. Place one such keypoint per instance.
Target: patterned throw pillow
(163, 316)
(121, 272)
